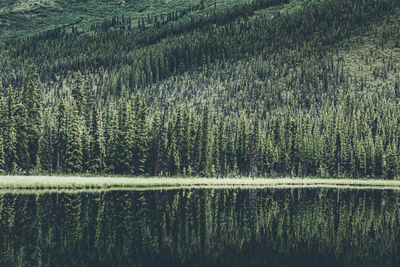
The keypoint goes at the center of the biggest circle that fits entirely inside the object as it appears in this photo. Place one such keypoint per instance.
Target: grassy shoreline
(109, 183)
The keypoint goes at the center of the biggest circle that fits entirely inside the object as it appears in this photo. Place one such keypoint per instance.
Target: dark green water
(235, 227)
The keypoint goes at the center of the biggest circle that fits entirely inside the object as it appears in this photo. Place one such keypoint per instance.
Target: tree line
(353, 138)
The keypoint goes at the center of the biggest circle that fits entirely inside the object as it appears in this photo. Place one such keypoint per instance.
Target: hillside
(262, 88)
(23, 18)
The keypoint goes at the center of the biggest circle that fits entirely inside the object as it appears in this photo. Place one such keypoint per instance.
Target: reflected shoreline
(201, 227)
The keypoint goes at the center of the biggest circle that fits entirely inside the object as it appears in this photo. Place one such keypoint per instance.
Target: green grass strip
(107, 183)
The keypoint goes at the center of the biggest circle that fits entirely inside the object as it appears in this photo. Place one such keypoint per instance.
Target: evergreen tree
(97, 151)
(155, 140)
(125, 135)
(127, 142)
(61, 135)
(10, 134)
(22, 145)
(203, 160)
(392, 164)
(46, 144)
(253, 150)
(78, 93)
(2, 157)
(73, 155)
(32, 103)
(140, 136)
(379, 158)
(111, 157)
(269, 155)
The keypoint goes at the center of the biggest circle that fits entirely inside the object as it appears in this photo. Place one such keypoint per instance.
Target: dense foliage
(251, 90)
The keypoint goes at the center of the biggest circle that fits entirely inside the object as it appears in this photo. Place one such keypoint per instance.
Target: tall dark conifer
(97, 150)
(204, 139)
(61, 134)
(10, 134)
(73, 155)
(140, 141)
(2, 157)
(31, 100)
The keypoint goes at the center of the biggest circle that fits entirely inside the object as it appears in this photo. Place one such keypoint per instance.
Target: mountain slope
(266, 88)
(24, 18)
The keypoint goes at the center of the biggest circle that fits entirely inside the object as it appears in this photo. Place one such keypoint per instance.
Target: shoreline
(37, 183)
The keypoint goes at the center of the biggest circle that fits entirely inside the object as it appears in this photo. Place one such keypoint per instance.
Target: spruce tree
(22, 146)
(73, 156)
(46, 144)
(61, 135)
(10, 134)
(112, 146)
(125, 127)
(253, 150)
(97, 150)
(86, 141)
(2, 157)
(269, 155)
(127, 143)
(379, 158)
(77, 92)
(204, 139)
(140, 136)
(392, 164)
(32, 102)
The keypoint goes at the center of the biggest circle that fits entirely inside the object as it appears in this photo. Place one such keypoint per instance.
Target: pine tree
(269, 155)
(127, 143)
(253, 150)
(392, 164)
(77, 92)
(73, 156)
(215, 153)
(97, 150)
(178, 135)
(10, 134)
(204, 139)
(46, 144)
(86, 141)
(172, 154)
(370, 156)
(220, 148)
(242, 146)
(184, 141)
(362, 159)
(345, 149)
(22, 146)
(125, 135)
(155, 139)
(2, 157)
(140, 136)
(112, 146)
(32, 102)
(379, 158)
(61, 135)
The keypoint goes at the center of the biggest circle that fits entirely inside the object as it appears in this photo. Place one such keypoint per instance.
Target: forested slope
(265, 88)
(28, 17)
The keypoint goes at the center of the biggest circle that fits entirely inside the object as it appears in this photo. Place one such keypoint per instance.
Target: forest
(267, 88)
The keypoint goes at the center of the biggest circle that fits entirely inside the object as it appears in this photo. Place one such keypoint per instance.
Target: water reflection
(235, 227)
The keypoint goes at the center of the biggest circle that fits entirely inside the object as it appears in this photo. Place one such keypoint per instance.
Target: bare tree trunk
(58, 159)
(49, 157)
(292, 171)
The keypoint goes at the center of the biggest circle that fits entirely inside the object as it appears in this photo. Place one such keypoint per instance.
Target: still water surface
(202, 227)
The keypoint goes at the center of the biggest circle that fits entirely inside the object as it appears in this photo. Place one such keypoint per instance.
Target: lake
(201, 227)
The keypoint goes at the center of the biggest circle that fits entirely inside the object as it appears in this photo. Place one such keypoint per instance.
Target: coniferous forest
(261, 88)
